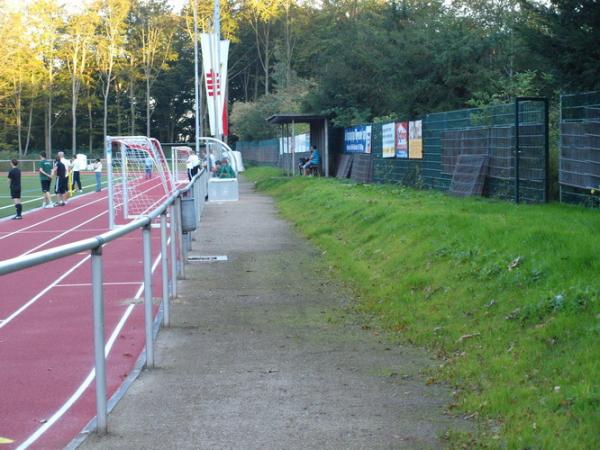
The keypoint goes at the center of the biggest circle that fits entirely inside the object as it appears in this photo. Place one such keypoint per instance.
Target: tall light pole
(196, 80)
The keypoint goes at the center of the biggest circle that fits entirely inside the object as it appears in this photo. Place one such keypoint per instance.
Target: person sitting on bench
(225, 171)
(314, 160)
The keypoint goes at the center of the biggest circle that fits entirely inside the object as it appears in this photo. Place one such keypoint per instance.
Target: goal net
(138, 175)
(179, 158)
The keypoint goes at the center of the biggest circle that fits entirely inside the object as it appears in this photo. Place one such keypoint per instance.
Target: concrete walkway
(262, 356)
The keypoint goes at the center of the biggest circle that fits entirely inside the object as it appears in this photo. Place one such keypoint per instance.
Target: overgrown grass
(507, 296)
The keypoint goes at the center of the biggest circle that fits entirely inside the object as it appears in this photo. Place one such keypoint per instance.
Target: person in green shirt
(44, 167)
(225, 171)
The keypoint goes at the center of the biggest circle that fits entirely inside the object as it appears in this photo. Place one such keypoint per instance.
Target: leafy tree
(109, 46)
(78, 52)
(566, 34)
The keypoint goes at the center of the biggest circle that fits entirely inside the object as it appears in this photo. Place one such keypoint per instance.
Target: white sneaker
(80, 190)
(49, 205)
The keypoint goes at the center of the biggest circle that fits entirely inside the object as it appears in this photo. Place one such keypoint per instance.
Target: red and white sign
(215, 81)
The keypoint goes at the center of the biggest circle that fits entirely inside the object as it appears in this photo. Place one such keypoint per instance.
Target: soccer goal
(139, 177)
(179, 159)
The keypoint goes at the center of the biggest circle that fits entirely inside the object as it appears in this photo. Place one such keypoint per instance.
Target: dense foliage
(126, 66)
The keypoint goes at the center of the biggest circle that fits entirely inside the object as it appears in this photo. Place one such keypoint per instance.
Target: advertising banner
(388, 139)
(299, 144)
(415, 139)
(402, 140)
(215, 79)
(357, 139)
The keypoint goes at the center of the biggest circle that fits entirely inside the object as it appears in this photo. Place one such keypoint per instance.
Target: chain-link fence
(579, 167)
(511, 140)
(516, 145)
(265, 152)
(495, 132)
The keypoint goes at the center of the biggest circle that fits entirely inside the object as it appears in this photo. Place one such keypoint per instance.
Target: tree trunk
(91, 124)
(106, 94)
(29, 128)
(46, 130)
(267, 61)
(74, 96)
(147, 105)
(49, 141)
(18, 107)
(132, 106)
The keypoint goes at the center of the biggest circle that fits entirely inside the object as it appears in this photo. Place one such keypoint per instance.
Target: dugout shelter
(319, 133)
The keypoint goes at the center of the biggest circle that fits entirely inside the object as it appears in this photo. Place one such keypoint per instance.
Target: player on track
(14, 175)
(62, 180)
(98, 173)
(76, 174)
(192, 165)
(67, 165)
(148, 162)
(44, 167)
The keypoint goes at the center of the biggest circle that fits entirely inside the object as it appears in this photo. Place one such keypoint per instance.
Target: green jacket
(226, 172)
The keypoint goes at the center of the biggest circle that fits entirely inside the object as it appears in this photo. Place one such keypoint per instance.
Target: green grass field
(31, 192)
(506, 296)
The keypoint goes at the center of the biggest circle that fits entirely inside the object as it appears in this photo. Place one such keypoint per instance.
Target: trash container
(188, 215)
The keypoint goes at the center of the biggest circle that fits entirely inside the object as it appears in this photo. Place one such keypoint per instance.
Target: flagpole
(196, 80)
(217, 82)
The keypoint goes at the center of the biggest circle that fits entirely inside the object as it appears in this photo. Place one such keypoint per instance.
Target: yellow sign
(415, 139)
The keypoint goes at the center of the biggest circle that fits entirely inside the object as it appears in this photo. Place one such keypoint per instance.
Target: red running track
(46, 332)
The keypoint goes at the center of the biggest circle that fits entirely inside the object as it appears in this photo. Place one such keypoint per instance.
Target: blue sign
(357, 139)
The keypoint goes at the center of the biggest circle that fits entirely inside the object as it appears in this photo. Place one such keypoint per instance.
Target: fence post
(99, 359)
(547, 149)
(172, 211)
(109, 180)
(165, 269)
(517, 152)
(147, 244)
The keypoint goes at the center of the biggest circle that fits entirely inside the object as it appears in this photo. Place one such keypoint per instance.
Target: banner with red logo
(215, 80)
(402, 140)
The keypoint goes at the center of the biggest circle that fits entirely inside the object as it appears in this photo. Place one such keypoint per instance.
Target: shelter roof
(283, 118)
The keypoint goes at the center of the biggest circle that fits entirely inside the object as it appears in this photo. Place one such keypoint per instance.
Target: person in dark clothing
(44, 167)
(62, 181)
(14, 175)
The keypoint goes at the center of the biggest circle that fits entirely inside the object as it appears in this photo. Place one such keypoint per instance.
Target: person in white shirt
(67, 164)
(192, 165)
(76, 174)
(98, 173)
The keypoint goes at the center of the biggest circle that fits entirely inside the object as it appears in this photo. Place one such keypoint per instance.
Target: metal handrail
(95, 245)
(33, 259)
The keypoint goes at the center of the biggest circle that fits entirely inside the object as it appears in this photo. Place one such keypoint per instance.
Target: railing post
(165, 269)
(109, 180)
(99, 358)
(173, 212)
(182, 247)
(147, 244)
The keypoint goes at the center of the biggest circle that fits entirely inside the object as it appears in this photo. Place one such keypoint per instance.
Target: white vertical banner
(215, 79)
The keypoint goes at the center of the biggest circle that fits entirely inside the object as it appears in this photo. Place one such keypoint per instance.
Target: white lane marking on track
(37, 198)
(88, 380)
(41, 293)
(116, 283)
(58, 236)
(69, 211)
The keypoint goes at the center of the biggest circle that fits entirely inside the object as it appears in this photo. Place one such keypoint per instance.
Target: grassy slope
(522, 346)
